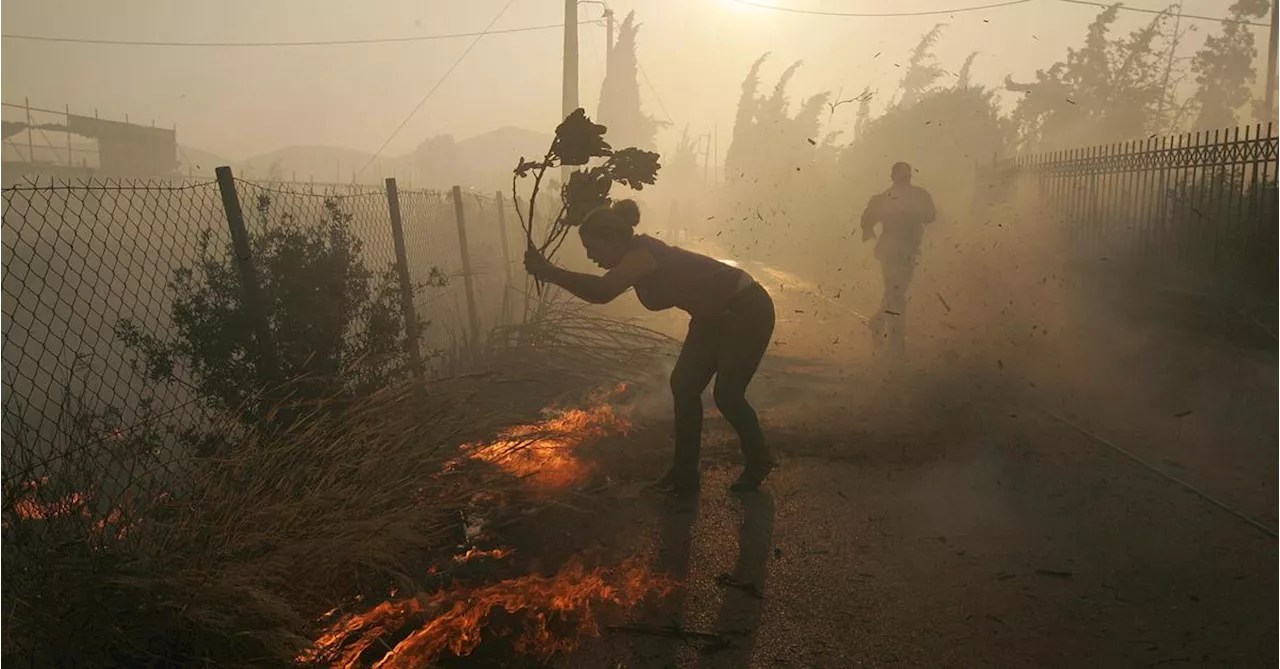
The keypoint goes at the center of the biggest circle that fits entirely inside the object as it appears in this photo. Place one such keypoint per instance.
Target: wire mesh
(435, 261)
(81, 259)
(87, 263)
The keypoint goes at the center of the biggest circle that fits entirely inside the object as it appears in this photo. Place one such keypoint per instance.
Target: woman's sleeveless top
(697, 284)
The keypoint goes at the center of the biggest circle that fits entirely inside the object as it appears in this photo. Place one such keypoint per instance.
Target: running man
(902, 211)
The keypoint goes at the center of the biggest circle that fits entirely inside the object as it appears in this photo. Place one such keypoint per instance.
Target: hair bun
(628, 212)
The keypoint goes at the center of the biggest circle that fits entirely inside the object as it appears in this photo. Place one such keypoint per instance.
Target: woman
(731, 322)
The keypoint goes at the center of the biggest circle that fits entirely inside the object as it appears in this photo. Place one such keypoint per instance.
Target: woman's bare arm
(635, 265)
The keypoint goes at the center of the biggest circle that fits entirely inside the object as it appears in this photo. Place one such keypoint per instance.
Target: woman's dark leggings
(729, 347)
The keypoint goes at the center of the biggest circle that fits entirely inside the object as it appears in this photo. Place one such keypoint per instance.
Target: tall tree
(962, 79)
(1111, 89)
(922, 69)
(863, 116)
(1224, 67)
(620, 108)
(767, 139)
(771, 177)
(684, 168)
(735, 160)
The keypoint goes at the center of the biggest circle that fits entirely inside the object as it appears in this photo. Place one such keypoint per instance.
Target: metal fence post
(411, 335)
(466, 266)
(524, 312)
(506, 259)
(266, 364)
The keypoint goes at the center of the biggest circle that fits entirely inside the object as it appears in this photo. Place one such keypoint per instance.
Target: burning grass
(538, 615)
(543, 452)
(230, 559)
(112, 525)
(534, 615)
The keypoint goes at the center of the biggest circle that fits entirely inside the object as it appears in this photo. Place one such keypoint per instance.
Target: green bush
(337, 324)
(129, 545)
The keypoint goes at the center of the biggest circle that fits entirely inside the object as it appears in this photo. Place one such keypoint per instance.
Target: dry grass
(230, 562)
(573, 338)
(232, 559)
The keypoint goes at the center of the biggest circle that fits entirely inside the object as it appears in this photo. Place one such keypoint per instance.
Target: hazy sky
(241, 101)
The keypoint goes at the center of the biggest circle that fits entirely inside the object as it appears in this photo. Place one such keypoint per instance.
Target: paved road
(1033, 551)
(939, 516)
(943, 518)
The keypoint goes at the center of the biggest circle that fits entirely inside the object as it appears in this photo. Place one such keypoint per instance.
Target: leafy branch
(577, 142)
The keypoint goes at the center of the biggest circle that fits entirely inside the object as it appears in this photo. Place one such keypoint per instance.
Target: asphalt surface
(943, 515)
(1034, 550)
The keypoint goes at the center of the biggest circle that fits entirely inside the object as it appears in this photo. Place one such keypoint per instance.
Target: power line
(653, 90)
(339, 42)
(957, 10)
(997, 5)
(479, 36)
(1165, 11)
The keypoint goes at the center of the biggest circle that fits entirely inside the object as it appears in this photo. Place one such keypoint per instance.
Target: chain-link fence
(432, 221)
(80, 258)
(130, 305)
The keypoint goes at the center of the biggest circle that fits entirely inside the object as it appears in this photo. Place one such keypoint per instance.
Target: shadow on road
(674, 549)
(738, 622)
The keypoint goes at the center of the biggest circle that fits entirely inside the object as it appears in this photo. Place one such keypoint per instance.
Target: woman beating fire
(731, 323)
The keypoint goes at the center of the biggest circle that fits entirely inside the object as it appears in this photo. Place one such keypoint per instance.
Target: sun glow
(743, 8)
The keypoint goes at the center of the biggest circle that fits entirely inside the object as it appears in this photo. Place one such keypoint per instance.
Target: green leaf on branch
(634, 167)
(577, 143)
(578, 140)
(586, 191)
(522, 170)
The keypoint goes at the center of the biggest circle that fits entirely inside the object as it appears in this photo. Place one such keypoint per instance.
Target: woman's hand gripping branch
(538, 266)
(635, 265)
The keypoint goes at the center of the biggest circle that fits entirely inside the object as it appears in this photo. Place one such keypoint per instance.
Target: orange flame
(544, 451)
(554, 614)
(70, 504)
(76, 503)
(474, 553)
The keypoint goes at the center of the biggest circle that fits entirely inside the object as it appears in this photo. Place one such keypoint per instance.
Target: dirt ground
(948, 514)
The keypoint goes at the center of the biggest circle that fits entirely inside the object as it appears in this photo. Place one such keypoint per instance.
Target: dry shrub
(566, 337)
(233, 558)
(150, 548)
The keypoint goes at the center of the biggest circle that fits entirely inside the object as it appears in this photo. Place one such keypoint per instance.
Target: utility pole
(71, 161)
(705, 141)
(1269, 106)
(570, 101)
(608, 46)
(715, 160)
(31, 132)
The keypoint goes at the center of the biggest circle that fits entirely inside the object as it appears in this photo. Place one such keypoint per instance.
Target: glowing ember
(544, 451)
(474, 553)
(76, 503)
(544, 615)
(70, 504)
